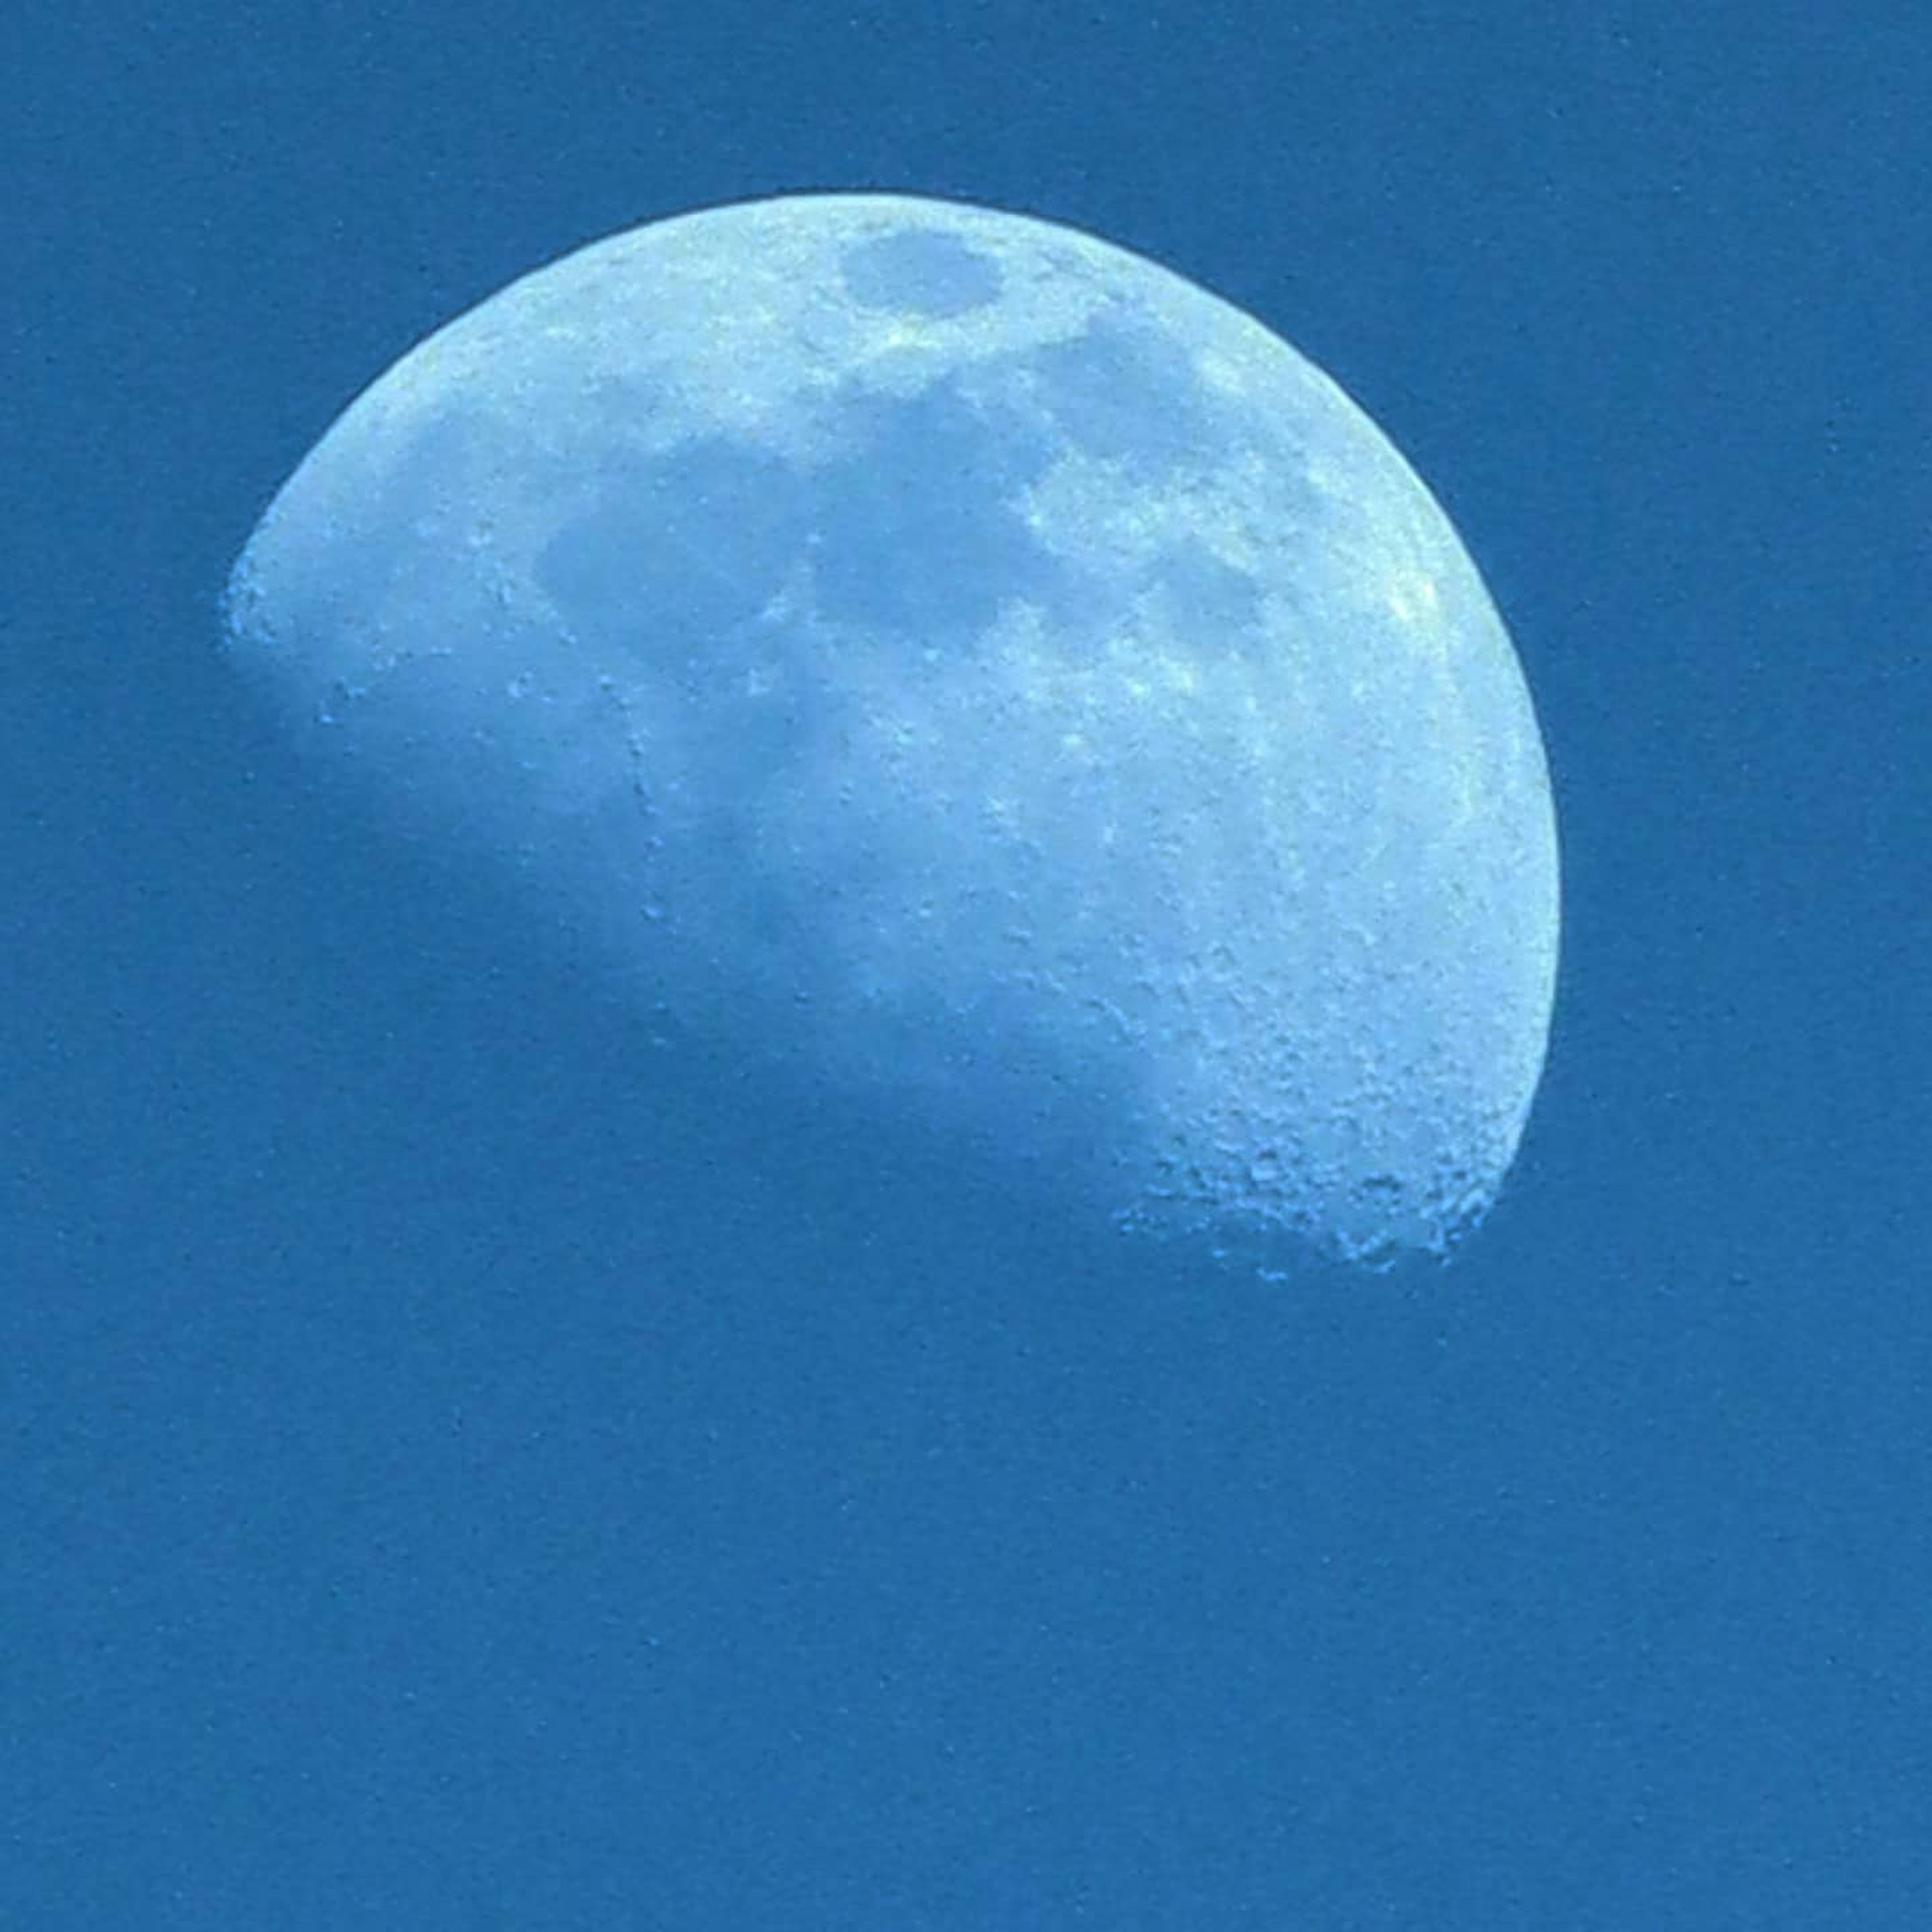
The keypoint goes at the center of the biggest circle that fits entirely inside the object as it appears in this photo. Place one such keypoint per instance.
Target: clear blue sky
(445, 1487)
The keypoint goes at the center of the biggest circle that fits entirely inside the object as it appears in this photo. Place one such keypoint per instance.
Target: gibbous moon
(951, 660)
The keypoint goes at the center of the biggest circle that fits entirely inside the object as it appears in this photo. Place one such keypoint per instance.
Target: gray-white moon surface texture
(953, 660)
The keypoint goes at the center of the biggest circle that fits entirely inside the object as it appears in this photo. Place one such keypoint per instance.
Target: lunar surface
(954, 663)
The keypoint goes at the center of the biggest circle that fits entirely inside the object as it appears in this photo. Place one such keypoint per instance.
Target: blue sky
(453, 1483)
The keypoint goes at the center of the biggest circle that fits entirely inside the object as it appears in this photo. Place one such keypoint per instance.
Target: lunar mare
(975, 668)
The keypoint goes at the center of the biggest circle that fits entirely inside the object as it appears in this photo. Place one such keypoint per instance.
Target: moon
(953, 660)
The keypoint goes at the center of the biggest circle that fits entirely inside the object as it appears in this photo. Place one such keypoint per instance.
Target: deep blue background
(447, 1486)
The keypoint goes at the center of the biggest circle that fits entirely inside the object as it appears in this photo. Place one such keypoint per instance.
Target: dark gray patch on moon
(925, 271)
(918, 528)
(706, 532)
(1096, 388)
(1218, 608)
